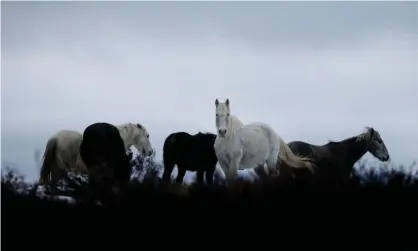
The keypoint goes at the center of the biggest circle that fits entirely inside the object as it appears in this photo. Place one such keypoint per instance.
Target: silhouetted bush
(387, 194)
(144, 168)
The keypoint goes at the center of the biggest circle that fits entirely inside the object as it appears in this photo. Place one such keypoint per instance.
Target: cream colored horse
(240, 146)
(60, 156)
(62, 152)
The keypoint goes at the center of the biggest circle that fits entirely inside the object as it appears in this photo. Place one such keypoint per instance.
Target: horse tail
(292, 160)
(49, 161)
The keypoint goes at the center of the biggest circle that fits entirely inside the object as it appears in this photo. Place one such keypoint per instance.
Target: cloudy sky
(315, 71)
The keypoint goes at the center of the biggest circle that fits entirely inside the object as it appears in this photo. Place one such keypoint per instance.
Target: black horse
(103, 152)
(335, 160)
(192, 153)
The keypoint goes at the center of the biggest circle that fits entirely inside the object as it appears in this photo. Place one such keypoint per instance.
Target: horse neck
(234, 124)
(126, 135)
(354, 150)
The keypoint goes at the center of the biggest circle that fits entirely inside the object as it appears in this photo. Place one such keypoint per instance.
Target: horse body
(257, 148)
(60, 156)
(104, 154)
(240, 146)
(62, 152)
(189, 153)
(335, 160)
(103, 147)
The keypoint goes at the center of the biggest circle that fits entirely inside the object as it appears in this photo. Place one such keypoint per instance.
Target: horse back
(301, 148)
(183, 148)
(326, 158)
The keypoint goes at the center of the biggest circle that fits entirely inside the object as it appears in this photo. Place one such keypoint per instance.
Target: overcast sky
(315, 71)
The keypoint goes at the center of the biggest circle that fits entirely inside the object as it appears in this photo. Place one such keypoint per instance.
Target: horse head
(141, 140)
(375, 144)
(223, 118)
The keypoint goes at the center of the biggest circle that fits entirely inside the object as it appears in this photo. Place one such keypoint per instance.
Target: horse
(335, 160)
(60, 157)
(103, 150)
(238, 146)
(192, 153)
(62, 152)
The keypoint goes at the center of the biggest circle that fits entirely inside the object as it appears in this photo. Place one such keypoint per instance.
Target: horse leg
(219, 175)
(199, 176)
(209, 175)
(180, 175)
(261, 172)
(233, 167)
(57, 174)
(224, 166)
(168, 169)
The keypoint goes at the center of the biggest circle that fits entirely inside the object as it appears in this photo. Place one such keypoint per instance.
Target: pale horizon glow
(67, 65)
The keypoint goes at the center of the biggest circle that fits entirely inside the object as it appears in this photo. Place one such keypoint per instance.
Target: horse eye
(148, 136)
(217, 115)
(227, 115)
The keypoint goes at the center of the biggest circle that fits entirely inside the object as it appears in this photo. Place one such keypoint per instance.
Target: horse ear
(216, 102)
(371, 131)
(227, 102)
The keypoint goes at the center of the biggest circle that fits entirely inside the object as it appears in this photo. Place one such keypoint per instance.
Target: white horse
(60, 156)
(62, 152)
(240, 146)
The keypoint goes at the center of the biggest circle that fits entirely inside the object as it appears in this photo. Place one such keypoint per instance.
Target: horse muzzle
(147, 153)
(221, 133)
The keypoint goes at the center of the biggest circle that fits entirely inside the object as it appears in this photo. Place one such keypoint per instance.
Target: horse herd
(100, 152)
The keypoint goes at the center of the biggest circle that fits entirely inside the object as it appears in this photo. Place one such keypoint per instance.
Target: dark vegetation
(379, 203)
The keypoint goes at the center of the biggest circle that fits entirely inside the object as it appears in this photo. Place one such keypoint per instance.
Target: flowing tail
(49, 161)
(292, 160)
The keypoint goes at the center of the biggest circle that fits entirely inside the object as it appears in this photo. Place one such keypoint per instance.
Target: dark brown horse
(189, 153)
(335, 160)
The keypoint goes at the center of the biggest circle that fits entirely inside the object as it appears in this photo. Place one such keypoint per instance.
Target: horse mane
(362, 136)
(236, 121)
(365, 135)
(205, 133)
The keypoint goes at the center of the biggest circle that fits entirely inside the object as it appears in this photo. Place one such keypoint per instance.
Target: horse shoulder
(222, 148)
(219, 145)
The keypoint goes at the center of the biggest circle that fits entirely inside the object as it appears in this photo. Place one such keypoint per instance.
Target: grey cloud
(314, 71)
(309, 23)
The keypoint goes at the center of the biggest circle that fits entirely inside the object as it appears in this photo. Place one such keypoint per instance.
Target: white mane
(363, 135)
(236, 122)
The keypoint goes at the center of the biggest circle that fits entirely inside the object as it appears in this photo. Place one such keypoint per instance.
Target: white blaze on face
(222, 117)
